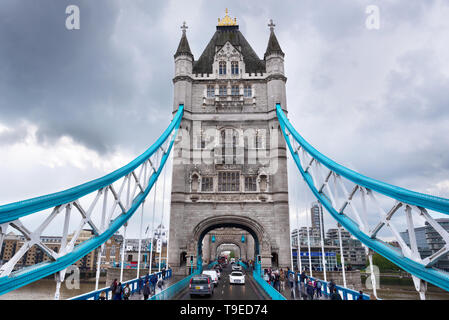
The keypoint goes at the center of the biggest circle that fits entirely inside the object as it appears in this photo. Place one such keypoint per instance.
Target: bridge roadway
(225, 291)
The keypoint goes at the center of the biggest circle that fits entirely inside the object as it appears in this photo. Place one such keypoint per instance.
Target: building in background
(353, 251)
(330, 251)
(12, 243)
(316, 216)
(429, 242)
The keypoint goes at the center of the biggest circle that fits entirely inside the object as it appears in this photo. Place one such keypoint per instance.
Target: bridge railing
(345, 293)
(133, 285)
(174, 289)
(244, 265)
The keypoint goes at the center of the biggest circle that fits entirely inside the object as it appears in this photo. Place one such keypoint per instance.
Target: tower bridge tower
(229, 168)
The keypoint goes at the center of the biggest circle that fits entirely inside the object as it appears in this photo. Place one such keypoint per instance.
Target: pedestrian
(113, 287)
(360, 297)
(335, 295)
(102, 296)
(266, 276)
(153, 280)
(309, 290)
(318, 289)
(302, 279)
(118, 292)
(139, 285)
(147, 278)
(126, 292)
(146, 290)
(277, 281)
(282, 280)
(331, 286)
(160, 284)
(163, 273)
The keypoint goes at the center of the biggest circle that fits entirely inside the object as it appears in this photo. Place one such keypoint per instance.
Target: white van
(232, 260)
(213, 274)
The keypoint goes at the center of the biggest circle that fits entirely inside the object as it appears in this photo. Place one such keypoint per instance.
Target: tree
(232, 254)
(383, 263)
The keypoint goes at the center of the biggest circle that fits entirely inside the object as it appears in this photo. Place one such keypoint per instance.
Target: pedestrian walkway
(167, 282)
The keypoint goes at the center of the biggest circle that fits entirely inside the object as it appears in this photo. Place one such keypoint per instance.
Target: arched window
(228, 143)
(222, 67)
(234, 67)
(195, 183)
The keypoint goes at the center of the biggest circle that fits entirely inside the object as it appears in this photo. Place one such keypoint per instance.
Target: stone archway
(262, 242)
(241, 254)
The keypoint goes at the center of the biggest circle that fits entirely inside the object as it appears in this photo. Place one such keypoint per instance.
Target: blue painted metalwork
(272, 292)
(434, 276)
(13, 211)
(244, 265)
(398, 193)
(133, 284)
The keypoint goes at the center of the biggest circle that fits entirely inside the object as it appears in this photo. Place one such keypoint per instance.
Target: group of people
(276, 278)
(307, 288)
(146, 285)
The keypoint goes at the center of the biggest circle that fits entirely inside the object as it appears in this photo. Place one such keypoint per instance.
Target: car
(237, 277)
(201, 285)
(213, 274)
(218, 273)
(232, 260)
(236, 267)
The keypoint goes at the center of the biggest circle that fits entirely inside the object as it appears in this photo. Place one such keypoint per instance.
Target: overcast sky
(77, 104)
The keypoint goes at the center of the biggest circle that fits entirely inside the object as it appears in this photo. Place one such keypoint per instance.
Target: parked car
(236, 267)
(201, 285)
(213, 274)
(237, 277)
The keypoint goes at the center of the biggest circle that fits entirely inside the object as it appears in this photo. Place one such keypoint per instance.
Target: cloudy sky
(77, 104)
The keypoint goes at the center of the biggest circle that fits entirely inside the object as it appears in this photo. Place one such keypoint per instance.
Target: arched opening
(183, 258)
(274, 259)
(252, 227)
(229, 247)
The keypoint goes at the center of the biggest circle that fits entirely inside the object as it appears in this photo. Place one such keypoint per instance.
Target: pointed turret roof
(273, 43)
(222, 35)
(183, 47)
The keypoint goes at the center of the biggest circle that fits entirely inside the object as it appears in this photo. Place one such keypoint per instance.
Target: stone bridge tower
(229, 168)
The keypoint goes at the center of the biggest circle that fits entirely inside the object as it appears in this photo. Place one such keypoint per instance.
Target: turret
(183, 72)
(274, 61)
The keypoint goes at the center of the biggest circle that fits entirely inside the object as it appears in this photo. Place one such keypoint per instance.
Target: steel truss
(116, 197)
(365, 207)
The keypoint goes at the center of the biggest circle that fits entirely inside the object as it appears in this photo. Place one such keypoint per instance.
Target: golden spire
(227, 20)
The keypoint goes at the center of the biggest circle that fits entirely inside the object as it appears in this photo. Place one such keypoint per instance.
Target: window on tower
(222, 90)
(222, 67)
(250, 183)
(235, 67)
(207, 184)
(247, 91)
(228, 181)
(210, 91)
(235, 90)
